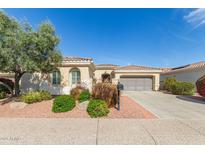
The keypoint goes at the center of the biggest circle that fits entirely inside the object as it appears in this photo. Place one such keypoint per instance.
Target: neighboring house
(188, 73)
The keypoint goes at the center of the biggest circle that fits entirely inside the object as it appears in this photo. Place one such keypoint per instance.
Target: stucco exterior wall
(155, 77)
(189, 76)
(32, 82)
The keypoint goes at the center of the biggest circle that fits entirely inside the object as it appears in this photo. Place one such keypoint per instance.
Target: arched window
(75, 76)
(56, 77)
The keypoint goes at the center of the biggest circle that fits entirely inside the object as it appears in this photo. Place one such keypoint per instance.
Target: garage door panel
(137, 84)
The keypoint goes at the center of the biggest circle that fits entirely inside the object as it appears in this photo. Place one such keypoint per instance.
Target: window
(75, 76)
(56, 77)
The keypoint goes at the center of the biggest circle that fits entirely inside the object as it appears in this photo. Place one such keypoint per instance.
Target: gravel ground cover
(129, 109)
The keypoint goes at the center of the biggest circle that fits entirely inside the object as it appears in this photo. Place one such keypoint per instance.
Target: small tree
(25, 50)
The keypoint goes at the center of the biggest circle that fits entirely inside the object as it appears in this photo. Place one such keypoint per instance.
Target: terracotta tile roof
(188, 67)
(136, 67)
(166, 69)
(106, 66)
(65, 59)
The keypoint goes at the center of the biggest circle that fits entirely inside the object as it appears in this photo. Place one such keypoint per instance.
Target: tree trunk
(16, 84)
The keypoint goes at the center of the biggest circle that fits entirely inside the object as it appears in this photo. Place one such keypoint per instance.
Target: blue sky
(150, 37)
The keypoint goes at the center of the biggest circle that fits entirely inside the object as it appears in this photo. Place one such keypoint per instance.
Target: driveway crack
(180, 121)
(155, 142)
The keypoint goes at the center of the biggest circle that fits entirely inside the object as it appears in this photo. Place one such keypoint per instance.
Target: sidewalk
(100, 131)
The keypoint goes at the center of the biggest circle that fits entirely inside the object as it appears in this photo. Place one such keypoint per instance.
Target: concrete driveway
(168, 106)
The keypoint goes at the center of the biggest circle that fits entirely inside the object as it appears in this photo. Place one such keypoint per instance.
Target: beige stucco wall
(36, 82)
(155, 77)
(30, 82)
(189, 76)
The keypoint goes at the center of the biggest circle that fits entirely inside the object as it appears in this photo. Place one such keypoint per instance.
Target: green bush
(2, 95)
(35, 96)
(84, 96)
(45, 95)
(75, 92)
(168, 83)
(182, 88)
(63, 103)
(97, 108)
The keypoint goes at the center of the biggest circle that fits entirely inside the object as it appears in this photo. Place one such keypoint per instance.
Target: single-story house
(77, 70)
(188, 73)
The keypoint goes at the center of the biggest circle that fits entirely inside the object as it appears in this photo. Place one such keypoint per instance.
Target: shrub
(63, 103)
(97, 108)
(168, 83)
(31, 97)
(107, 92)
(45, 95)
(182, 88)
(2, 95)
(200, 85)
(75, 92)
(84, 96)
(35, 96)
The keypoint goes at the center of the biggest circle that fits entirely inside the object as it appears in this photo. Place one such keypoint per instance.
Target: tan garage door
(136, 83)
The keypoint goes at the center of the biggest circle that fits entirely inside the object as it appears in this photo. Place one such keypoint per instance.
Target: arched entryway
(106, 77)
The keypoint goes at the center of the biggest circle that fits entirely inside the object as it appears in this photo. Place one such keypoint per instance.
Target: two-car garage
(137, 83)
(138, 78)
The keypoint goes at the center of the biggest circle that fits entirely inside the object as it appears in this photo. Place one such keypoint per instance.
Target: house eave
(137, 71)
